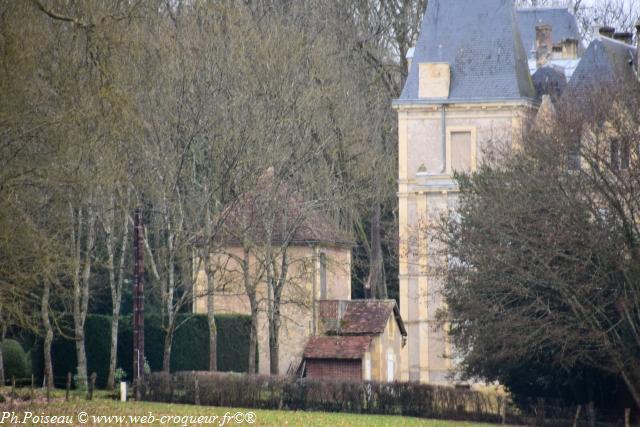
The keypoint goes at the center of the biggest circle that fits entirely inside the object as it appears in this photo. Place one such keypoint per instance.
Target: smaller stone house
(359, 340)
(317, 260)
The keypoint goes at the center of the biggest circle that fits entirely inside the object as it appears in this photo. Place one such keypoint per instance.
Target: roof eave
(402, 102)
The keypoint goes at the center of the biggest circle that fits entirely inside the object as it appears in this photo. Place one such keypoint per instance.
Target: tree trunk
(81, 355)
(376, 279)
(113, 352)
(166, 355)
(115, 283)
(253, 337)
(211, 318)
(213, 344)
(213, 330)
(275, 320)
(48, 334)
(1, 369)
(81, 287)
(274, 343)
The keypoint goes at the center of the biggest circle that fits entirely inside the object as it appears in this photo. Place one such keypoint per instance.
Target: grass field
(97, 411)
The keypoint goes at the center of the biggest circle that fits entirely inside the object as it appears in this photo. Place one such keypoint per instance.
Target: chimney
(570, 48)
(409, 57)
(544, 44)
(626, 38)
(607, 31)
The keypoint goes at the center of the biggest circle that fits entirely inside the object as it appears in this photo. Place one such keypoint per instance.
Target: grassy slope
(102, 406)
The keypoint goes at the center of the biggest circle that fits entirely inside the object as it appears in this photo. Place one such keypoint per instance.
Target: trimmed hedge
(15, 360)
(190, 350)
(290, 393)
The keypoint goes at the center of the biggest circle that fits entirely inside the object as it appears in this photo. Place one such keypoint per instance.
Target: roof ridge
(614, 42)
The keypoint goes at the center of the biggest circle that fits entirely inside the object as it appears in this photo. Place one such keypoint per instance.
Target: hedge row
(289, 393)
(190, 350)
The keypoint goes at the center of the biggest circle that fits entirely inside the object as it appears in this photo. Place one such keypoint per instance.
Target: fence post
(577, 417)
(66, 397)
(627, 417)
(197, 390)
(92, 384)
(592, 414)
(32, 384)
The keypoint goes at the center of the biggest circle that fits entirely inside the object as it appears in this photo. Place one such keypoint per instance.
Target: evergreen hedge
(190, 351)
(15, 360)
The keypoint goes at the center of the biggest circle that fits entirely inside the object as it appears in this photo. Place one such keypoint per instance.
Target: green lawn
(176, 415)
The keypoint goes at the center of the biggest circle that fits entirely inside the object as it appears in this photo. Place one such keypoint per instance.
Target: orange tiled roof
(337, 347)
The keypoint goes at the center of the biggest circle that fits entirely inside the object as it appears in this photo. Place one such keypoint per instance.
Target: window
(367, 367)
(390, 366)
(625, 155)
(614, 152)
(620, 153)
(323, 275)
(461, 150)
(574, 158)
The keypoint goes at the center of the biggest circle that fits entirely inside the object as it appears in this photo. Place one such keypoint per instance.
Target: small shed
(361, 340)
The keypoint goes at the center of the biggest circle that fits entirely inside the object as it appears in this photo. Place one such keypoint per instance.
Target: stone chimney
(624, 37)
(570, 48)
(544, 44)
(410, 54)
(607, 31)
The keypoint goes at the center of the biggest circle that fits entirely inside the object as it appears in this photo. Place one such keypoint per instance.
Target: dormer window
(620, 153)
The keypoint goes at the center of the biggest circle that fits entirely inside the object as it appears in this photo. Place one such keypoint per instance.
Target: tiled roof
(563, 25)
(480, 40)
(605, 61)
(366, 316)
(337, 347)
(359, 317)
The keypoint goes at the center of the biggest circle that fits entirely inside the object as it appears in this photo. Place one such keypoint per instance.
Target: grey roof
(605, 61)
(563, 25)
(481, 42)
(549, 80)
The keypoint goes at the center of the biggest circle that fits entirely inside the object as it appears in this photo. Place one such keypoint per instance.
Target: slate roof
(337, 347)
(605, 61)
(563, 26)
(481, 42)
(549, 80)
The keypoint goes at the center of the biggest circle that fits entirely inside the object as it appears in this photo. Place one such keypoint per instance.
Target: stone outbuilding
(360, 340)
(303, 239)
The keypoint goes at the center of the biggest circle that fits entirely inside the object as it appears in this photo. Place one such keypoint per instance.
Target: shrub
(265, 392)
(15, 359)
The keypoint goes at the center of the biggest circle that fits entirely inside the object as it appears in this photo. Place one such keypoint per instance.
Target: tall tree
(543, 251)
